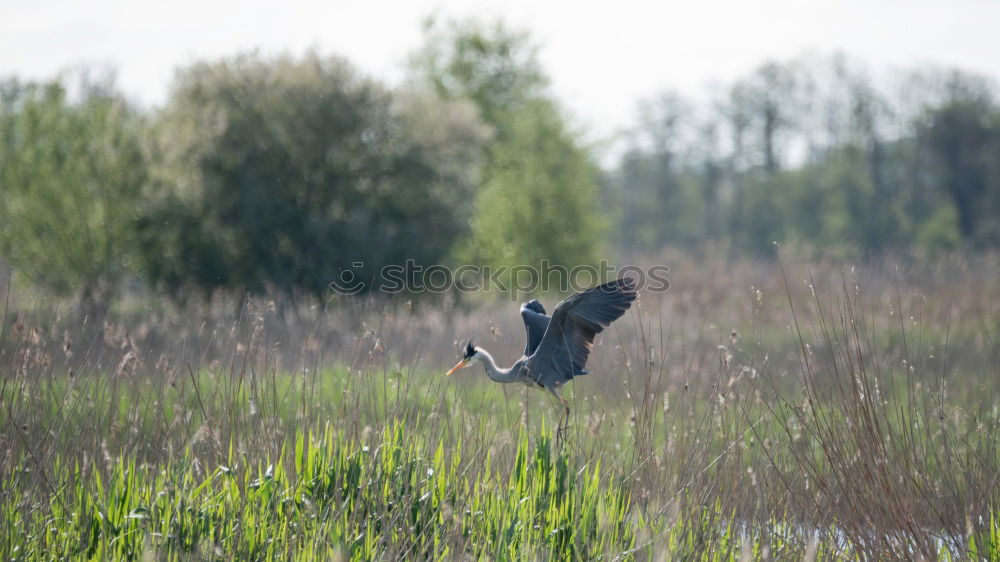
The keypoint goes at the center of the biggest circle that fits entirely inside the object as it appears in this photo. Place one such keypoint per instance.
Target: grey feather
(535, 323)
(565, 347)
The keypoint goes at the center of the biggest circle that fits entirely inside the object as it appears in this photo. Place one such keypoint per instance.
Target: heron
(558, 346)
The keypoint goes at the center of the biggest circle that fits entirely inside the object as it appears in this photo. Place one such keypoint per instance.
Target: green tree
(817, 156)
(539, 195)
(662, 200)
(494, 67)
(538, 199)
(280, 174)
(70, 175)
(962, 140)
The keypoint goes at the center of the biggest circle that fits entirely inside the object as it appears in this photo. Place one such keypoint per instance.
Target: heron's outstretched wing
(535, 322)
(565, 347)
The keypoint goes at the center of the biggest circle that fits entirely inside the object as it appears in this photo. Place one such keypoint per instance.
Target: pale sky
(602, 57)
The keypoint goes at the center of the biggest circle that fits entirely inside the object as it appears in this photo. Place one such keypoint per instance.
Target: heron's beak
(459, 365)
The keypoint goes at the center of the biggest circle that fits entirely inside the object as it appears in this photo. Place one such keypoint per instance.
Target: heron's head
(471, 356)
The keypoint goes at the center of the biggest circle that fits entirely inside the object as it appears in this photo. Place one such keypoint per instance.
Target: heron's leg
(564, 419)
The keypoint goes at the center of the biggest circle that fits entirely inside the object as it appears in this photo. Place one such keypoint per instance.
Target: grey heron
(558, 347)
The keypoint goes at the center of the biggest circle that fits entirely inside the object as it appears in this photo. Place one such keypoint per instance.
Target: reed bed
(755, 411)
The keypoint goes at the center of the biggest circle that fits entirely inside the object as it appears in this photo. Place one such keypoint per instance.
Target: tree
(539, 191)
(492, 66)
(663, 201)
(537, 202)
(280, 174)
(963, 141)
(766, 104)
(71, 172)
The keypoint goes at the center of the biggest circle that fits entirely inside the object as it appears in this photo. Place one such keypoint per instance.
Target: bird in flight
(558, 347)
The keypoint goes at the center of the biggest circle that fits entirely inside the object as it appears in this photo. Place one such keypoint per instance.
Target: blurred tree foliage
(70, 176)
(961, 138)
(814, 154)
(279, 174)
(539, 197)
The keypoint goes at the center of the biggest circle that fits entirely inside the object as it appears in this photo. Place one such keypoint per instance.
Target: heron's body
(558, 346)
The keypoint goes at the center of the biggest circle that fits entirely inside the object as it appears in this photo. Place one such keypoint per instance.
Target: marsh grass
(799, 413)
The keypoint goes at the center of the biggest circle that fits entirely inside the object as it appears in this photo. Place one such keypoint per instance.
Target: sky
(602, 57)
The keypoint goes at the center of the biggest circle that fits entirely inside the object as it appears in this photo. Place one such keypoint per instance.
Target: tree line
(277, 173)
(817, 154)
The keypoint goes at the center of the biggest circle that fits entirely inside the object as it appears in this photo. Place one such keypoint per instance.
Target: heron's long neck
(494, 372)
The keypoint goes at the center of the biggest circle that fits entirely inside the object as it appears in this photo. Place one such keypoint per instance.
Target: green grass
(325, 497)
(329, 497)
